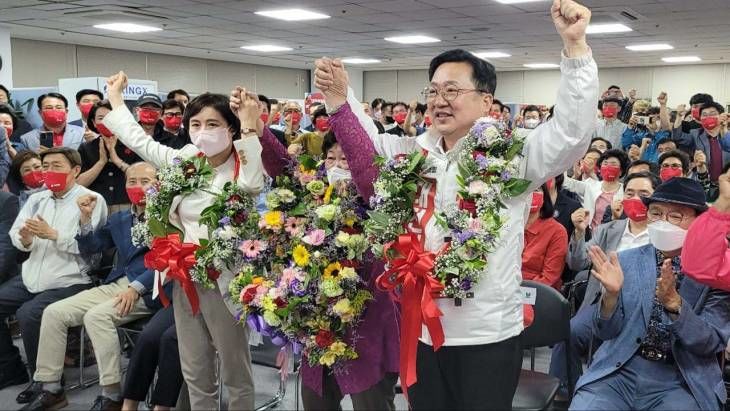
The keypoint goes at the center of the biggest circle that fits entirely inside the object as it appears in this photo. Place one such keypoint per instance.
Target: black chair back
(552, 317)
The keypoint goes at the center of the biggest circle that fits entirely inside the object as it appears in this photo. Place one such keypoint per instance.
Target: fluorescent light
(127, 27)
(516, 1)
(681, 59)
(541, 65)
(417, 39)
(492, 55)
(267, 48)
(649, 47)
(292, 14)
(358, 60)
(607, 28)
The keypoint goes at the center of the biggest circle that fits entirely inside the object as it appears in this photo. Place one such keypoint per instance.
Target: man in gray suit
(617, 235)
(662, 332)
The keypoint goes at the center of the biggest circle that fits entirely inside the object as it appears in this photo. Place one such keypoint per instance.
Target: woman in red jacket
(546, 241)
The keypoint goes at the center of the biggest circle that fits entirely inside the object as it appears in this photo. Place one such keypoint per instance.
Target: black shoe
(30, 392)
(9, 378)
(103, 403)
(47, 401)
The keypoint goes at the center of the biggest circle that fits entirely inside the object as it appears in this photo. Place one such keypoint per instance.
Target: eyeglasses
(171, 115)
(673, 217)
(448, 93)
(672, 166)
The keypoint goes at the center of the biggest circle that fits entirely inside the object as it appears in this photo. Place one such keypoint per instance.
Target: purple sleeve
(358, 148)
(274, 154)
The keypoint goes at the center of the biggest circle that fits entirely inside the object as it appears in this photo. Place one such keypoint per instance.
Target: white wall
(39, 63)
(540, 86)
(6, 72)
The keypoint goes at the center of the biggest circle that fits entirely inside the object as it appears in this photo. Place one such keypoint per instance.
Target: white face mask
(336, 174)
(211, 142)
(378, 115)
(665, 236)
(532, 123)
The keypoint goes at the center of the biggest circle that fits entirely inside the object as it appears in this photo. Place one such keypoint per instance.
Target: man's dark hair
(73, 156)
(53, 95)
(421, 108)
(652, 166)
(377, 102)
(6, 109)
(665, 140)
(619, 155)
(498, 103)
(86, 92)
(92, 114)
(608, 143)
(701, 98)
(320, 112)
(400, 103)
(386, 104)
(217, 102)
(266, 101)
(548, 208)
(530, 108)
(643, 174)
(681, 155)
(7, 92)
(717, 106)
(652, 111)
(172, 103)
(171, 95)
(483, 74)
(592, 150)
(614, 87)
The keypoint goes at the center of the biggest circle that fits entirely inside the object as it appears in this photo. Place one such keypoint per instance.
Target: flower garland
(300, 284)
(489, 159)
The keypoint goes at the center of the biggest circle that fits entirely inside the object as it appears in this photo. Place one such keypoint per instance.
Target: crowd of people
(624, 209)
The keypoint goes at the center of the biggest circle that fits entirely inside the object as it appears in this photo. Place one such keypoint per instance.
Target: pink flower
(315, 237)
(475, 224)
(305, 178)
(252, 248)
(293, 226)
(290, 274)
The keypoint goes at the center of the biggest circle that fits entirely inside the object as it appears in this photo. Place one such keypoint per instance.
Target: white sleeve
(251, 177)
(387, 145)
(23, 215)
(575, 186)
(121, 122)
(554, 146)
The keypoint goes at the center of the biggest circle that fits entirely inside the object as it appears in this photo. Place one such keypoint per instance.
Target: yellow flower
(348, 273)
(268, 303)
(344, 310)
(274, 219)
(332, 271)
(349, 221)
(257, 280)
(327, 359)
(328, 194)
(301, 255)
(338, 348)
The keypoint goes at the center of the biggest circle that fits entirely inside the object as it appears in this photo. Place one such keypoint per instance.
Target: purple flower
(479, 128)
(482, 162)
(464, 236)
(176, 161)
(465, 284)
(375, 201)
(224, 221)
(506, 175)
(297, 287)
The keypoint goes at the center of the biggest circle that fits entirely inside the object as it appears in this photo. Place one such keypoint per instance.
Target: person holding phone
(55, 131)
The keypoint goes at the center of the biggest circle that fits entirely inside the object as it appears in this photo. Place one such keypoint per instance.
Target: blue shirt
(636, 135)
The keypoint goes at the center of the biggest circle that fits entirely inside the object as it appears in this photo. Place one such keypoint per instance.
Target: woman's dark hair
(548, 209)
(618, 155)
(217, 102)
(643, 174)
(92, 114)
(726, 168)
(681, 155)
(172, 103)
(608, 143)
(559, 181)
(593, 150)
(328, 142)
(320, 112)
(266, 101)
(17, 162)
(377, 102)
(6, 109)
(483, 73)
(498, 103)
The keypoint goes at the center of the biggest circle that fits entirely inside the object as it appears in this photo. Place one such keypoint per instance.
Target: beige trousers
(94, 308)
(199, 337)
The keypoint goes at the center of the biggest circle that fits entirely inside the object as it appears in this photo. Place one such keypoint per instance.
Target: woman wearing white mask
(232, 148)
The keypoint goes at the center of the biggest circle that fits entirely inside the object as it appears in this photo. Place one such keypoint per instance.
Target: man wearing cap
(662, 331)
(149, 112)
(610, 128)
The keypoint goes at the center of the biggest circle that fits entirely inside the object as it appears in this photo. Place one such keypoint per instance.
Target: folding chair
(266, 355)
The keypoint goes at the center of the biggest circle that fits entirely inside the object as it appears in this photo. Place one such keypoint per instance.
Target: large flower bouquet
(300, 284)
(488, 165)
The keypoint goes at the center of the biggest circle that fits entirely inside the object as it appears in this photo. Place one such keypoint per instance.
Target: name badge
(528, 295)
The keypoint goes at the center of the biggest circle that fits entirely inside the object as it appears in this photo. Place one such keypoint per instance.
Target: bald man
(124, 296)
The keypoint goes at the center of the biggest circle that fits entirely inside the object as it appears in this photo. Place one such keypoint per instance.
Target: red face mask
(101, 128)
(85, 109)
(8, 131)
(55, 181)
(550, 184)
(34, 179)
(427, 121)
(54, 118)
(172, 123)
(400, 118)
(322, 124)
(635, 209)
(696, 113)
(295, 117)
(669, 173)
(148, 116)
(610, 173)
(710, 123)
(277, 118)
(136, 195)
(538, 198)
(264, 117)
(609, 112)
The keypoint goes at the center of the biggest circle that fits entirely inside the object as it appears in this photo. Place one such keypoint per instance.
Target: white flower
(477, 187)
(227, 233)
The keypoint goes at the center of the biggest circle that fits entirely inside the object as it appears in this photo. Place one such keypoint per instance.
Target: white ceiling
(216, 29)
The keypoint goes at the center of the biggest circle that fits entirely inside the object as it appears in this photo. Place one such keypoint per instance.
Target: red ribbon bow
(170, 252)
(413, 271)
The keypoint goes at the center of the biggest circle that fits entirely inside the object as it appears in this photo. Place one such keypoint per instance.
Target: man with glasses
(482, 333)
(672, 164)
(292, 122)
(617, 235)
(661, 331)
(172, 134)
